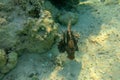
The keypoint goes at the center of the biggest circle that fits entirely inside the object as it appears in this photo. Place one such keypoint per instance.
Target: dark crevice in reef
(64, 4)
(34, 13)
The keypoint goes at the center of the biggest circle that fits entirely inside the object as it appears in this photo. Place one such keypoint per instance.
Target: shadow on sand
(71, 70)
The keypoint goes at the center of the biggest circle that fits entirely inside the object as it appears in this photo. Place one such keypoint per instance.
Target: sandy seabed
(98, 57)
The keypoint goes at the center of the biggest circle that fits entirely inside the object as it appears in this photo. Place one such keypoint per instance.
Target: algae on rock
(9, 39)
(3, 21)
(3, 58)
(39, 34)
(32, 8)
(11, 63)
(7, 61)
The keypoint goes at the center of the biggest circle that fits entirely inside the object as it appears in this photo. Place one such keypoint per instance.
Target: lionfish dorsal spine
(69, 29)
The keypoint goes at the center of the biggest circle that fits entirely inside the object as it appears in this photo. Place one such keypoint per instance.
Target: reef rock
(9, 39)
(50, 7)
(11, 63)
(3, 58)
(38, 35)
(7, 61)
(3, 21)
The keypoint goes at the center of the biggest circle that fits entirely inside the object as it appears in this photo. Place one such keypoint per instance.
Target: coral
(7, 42)
(1, 6)
(11, 63)
(35, 77)
(5, 10)
(3, 58)
(5, 6)
(50, 7)
(3, 21)
(9, 39)
(7, 61)
(63, 19)
(31, 7)
(38, 35)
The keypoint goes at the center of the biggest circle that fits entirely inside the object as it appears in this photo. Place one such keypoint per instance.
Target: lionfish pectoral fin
(61, 46)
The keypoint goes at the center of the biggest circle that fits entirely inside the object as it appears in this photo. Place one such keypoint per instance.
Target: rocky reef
(37, 34)
(30, 26)
(62, 16)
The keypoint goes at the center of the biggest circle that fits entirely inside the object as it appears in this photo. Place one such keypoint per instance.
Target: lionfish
(69, 42)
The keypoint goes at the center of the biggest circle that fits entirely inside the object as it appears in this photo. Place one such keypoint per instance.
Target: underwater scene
(59, 39)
